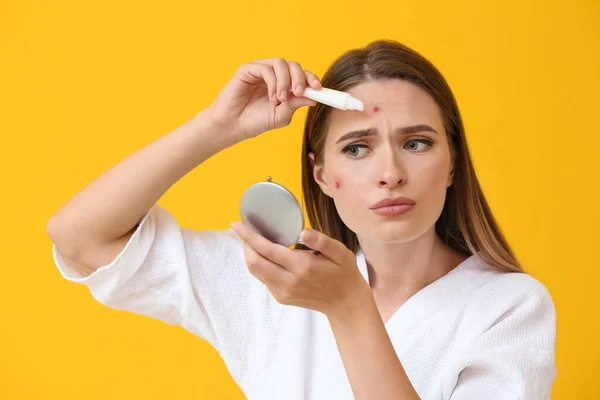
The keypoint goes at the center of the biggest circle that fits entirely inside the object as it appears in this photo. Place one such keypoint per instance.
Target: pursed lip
(392, 202)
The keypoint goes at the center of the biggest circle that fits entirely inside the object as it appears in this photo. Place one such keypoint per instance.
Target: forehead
(398, 101)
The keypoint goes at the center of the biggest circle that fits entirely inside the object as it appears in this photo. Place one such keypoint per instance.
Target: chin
(392, 231)
(398, 236)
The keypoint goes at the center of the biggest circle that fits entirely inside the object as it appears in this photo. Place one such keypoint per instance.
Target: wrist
(205, 121)
(360, 303)
(222, 123)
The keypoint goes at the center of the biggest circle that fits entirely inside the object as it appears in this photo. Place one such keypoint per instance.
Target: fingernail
(307, 235)
(283, 95)
(299, 90)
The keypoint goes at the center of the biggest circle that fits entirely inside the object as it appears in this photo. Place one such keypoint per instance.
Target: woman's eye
(353, 150)
(413, 145)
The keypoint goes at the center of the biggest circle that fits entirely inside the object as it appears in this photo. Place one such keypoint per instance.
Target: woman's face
(361, 171)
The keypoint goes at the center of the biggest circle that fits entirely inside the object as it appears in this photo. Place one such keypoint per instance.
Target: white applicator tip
(334, 98)
(355, 104)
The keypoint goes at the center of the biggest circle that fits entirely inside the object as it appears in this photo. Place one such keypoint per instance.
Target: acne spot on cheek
(337, 183)
(376, 109)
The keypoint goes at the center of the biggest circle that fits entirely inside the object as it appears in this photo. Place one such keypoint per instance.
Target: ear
(319, 175)
(451, 175)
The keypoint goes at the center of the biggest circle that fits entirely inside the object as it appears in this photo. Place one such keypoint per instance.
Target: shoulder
(506, 287)
(514, 304)
(514, 288)
(507, 335)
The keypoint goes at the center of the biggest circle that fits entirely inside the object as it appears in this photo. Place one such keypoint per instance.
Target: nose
(389, 168)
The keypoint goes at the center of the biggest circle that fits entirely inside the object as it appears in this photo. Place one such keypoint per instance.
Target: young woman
(415, 292)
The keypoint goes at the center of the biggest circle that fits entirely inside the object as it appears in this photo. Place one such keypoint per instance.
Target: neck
(399, 270)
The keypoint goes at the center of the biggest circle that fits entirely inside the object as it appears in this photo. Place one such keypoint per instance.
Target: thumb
(296, 102)
(286, 109)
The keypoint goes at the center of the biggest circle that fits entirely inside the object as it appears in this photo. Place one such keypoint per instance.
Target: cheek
(431, 186)
(431, 171)
(338, 183)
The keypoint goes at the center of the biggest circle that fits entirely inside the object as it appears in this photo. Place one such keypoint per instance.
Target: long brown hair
(466, 223)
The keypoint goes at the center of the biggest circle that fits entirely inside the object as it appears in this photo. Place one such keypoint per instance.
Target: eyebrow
(370, 132)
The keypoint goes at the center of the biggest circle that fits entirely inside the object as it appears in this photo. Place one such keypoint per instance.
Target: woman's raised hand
(262, 95)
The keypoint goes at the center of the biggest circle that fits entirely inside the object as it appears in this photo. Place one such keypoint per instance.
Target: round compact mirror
(273, 211)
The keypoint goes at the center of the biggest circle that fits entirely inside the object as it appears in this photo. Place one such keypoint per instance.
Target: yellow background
(83, 85)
